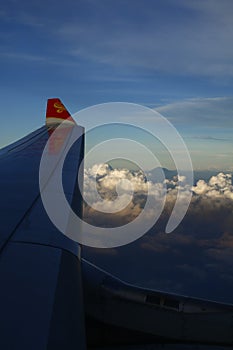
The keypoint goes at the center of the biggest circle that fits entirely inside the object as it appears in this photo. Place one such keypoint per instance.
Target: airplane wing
(41, 301)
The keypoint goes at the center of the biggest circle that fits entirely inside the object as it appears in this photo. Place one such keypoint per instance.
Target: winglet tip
(56, 112)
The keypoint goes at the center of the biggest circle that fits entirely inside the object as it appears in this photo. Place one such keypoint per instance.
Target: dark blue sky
(175, 55)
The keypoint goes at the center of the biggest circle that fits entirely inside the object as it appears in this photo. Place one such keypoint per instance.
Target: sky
(175, 56)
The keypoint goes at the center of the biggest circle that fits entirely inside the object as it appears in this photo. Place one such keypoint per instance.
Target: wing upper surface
(41, 289)
(22, 214)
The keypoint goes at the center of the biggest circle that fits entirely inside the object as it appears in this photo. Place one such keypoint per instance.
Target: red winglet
(56, 112)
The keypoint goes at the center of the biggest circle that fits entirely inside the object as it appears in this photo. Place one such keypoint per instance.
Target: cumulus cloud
(219, 186)
(114, 196)
(117, 196)
(197, 255)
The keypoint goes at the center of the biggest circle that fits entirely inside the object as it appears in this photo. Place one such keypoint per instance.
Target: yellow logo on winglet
(59, 107)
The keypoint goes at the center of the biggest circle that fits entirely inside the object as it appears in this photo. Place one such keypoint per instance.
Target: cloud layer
(196, 259)
(121, 194)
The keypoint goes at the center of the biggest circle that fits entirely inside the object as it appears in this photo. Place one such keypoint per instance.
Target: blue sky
(173, 55)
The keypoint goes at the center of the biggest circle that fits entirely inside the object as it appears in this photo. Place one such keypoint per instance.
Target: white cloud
(114, 201)
(219, 186)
